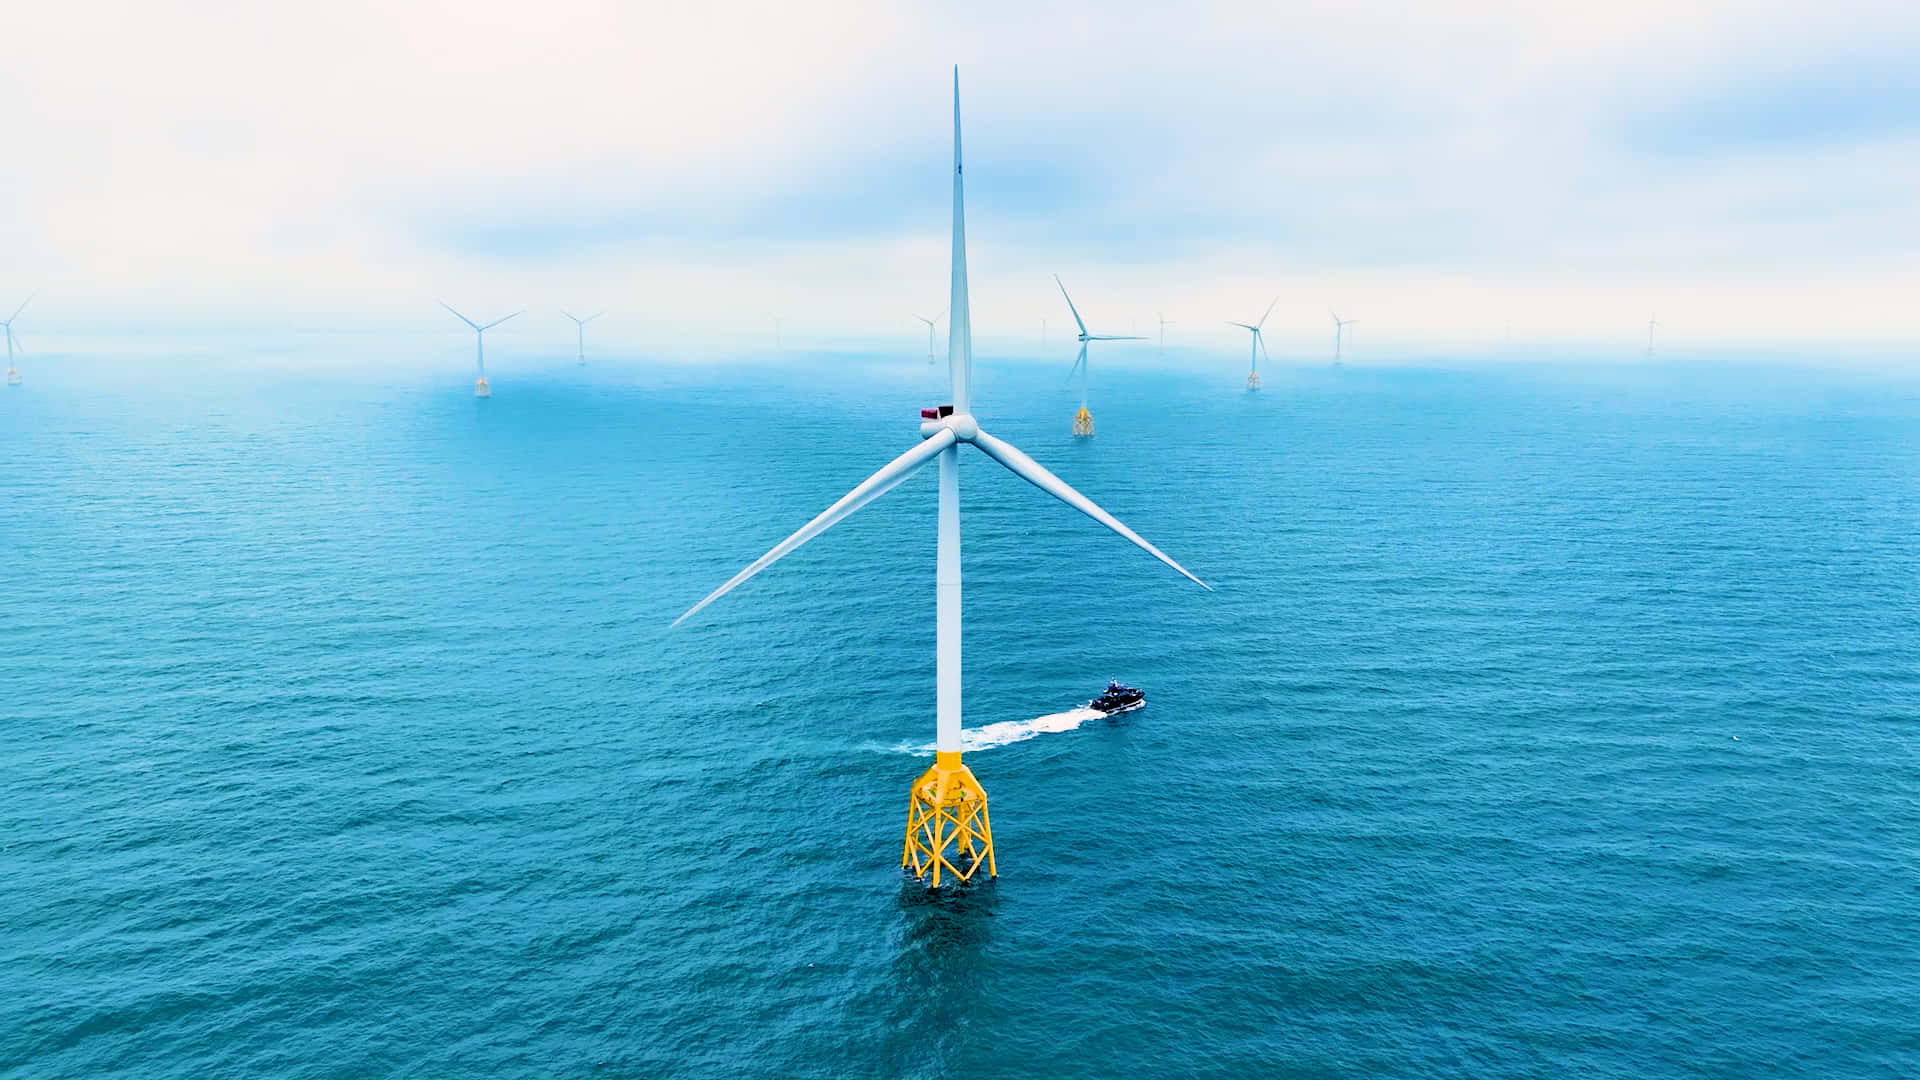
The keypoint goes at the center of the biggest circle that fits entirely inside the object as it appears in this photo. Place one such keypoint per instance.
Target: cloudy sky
(1750, 171)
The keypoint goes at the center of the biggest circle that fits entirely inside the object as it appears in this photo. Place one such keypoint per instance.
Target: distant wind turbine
(480, 387)
(1043, 336)
(1650, 325)
(580, 332)
(1164, 323)
(1339, 332)
(1083, 420)
(930, 322)
(1259, 345)
(13, 341)
(949, 832)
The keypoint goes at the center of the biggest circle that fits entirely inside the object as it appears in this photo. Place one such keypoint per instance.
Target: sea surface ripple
(1545, 723)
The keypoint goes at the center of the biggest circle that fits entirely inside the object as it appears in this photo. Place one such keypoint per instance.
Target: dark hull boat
(1118, 698)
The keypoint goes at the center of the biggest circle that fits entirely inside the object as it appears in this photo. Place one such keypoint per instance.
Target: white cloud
(1434, 166)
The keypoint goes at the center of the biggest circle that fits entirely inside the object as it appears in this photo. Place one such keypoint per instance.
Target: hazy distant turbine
(580, 333)
(13, 342)
(480, 387)
(1083, 420)
(930, 322)
(1339, 333)
(1259, 345)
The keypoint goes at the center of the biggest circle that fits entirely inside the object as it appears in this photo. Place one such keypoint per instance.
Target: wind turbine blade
(1262, 339)
(1034, 473)
(1243, 326)
(960, 318)
(889, 477)
(21, 308)
(592, 317)
(570, 315)
(1070, 307)
(498, 321)
(459, 316)
(1077, 362)
(1264, 314)
(1124, 337)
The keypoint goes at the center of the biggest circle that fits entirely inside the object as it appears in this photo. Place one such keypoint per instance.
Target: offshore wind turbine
(1164, 323)
(949, 832)
(1650, 325)
(580, 332)
(480, 387)
(1259, 345)
(1083, 420)
(1339, 332)
(930, 322)
(13, 374)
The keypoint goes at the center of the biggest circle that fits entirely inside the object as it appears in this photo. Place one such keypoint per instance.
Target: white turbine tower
(579, 332)
(949, 832)
(1339, 334)
(930, 323)
(1083, 420)
(1259, 345)
(1164, 323)
(1650, 325)
(13, 374)
(480, 387)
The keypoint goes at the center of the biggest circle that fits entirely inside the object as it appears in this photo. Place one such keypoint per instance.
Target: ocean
(1547, 721)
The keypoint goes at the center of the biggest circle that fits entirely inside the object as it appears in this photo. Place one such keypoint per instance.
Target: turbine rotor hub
(942, 418)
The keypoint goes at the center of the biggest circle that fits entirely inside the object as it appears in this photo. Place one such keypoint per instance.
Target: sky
(1748, 172)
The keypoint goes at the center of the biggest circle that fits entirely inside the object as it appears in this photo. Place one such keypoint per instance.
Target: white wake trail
(1007, 732)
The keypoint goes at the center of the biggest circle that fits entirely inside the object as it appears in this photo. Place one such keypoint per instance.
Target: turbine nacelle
(942, 418)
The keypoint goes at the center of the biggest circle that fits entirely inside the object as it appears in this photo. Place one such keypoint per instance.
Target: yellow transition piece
(948, 831)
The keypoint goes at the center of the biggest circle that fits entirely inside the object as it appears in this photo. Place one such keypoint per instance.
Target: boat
(1118, 698)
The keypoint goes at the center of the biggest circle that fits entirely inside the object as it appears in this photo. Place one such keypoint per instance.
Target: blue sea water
(1547, 722)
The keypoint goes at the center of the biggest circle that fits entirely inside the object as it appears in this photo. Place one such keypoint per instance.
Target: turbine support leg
(1083, 423)
(480, 387)
(949, 834)
(1253, 380)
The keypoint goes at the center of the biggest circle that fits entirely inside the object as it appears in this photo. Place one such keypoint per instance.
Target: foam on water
(1008, 732)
